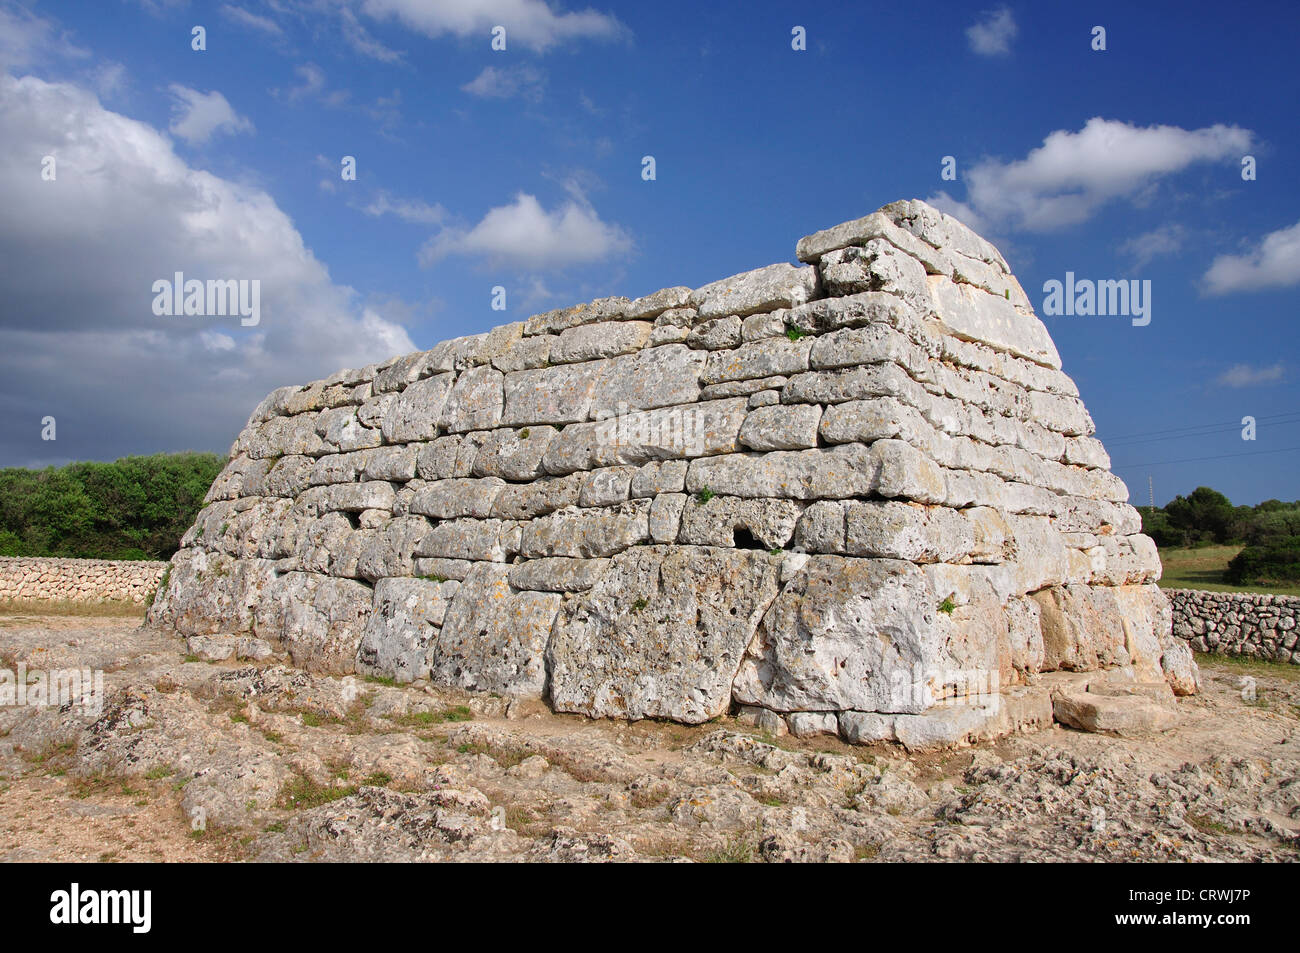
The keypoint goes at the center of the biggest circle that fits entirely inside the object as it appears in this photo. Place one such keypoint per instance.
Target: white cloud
(531, 23)
(1164, 240)
(312, 83)
(1274, 263)
(408, 210)
(525, 234)
(252, 20)
(993, 33)
(196, 116)
(80, 257)
(26, 38)
(109, 79)
(524, 81)
(216, 341)
(1072, 174)
(1243, 375)
(360, 39)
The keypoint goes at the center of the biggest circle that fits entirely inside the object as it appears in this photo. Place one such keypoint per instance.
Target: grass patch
(739, 849)
(1288, 671)
(100, 783)
(301, 793)
(1207, 825)
(1202, 567)
(417, 719)
(505, 757)
(63, 607)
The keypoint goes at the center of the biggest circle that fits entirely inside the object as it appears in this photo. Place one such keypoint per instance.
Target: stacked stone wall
(30, 579)
(1251, 624)
(844, 490)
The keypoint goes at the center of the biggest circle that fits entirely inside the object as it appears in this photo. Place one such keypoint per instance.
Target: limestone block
(661, 635)
(655, 377)
(557, 574)
(666, 516)
(652, 305)
(834, 473)
(414, 415)
(398, 638)
(844, 634)
(763, 289)
(781, 427)
(862, 230)
(493, 636)
(732, 521)
(475, 401)
(514, 454)
(920, 534)
(526, 501)
(590, 342)
(320, 620)
(585, 534)
(550, 395)
(976, 315)
(759, 359)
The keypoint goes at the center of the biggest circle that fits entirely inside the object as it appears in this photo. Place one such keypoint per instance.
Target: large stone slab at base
(952, 725)
(662, 634)
(493, 636)
(209, 592)
(317, 618)
(400, 635)
(844, 634)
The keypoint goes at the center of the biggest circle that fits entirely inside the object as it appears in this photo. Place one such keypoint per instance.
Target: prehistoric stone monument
(859, 494)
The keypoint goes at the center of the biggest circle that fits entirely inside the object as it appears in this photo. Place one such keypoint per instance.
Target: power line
(1221, 456)
(1207, 433)
(1230, 424)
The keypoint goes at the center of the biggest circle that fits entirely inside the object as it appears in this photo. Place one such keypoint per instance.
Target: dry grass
(94, 610)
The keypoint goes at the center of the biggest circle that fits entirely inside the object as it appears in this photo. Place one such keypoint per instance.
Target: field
(1201, 567)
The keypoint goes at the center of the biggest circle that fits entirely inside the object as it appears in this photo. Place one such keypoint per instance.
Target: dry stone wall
(1253, 624)
(26, 579)
(841, 493)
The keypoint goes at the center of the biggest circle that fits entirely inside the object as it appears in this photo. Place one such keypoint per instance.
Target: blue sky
(522, 168)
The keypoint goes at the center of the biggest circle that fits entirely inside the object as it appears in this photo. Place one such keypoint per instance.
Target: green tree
(134, 508)
(1204, 515)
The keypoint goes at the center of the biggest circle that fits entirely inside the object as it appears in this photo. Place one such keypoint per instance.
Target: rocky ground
(194, 760)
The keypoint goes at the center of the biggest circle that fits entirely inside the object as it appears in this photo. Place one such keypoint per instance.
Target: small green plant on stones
(704, 496)
(947, 605)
